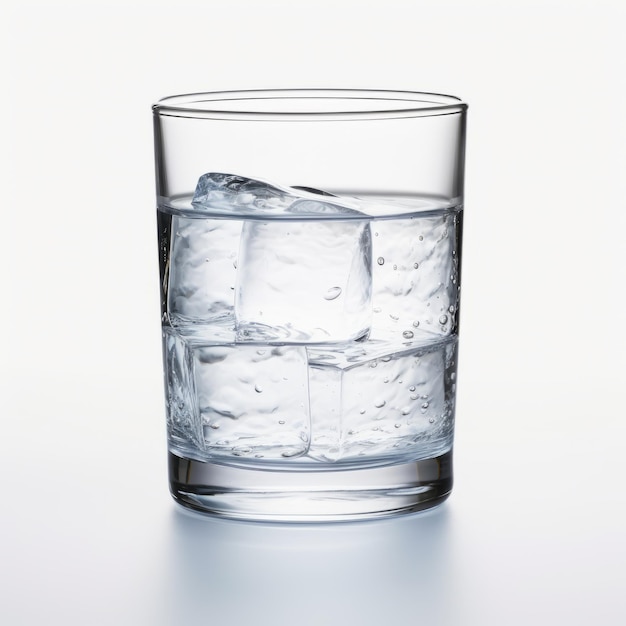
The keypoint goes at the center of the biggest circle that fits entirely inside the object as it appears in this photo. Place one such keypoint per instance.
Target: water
(305, 329)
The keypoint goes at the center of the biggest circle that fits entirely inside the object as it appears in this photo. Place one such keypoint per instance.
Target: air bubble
(421, 238)
(415, 265)
(451, 308)
(235, 264)
(395, 267)
(258, 388)
(362, 411)
(406, 410)
(414, 396)
(397, 425)
(395, 318)
(431, 420)
(412, 388)
(443, 319)
(407, 334)
(281, 422)
(380, 260)
(214, 425)
(260, 352)
(332, 293)
(379, 404)
(416, 324)
(377, 309)
(373, 363)
(386, 359)
(385, 380)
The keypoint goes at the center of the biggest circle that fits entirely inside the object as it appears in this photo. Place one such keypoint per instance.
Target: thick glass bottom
(325, 496)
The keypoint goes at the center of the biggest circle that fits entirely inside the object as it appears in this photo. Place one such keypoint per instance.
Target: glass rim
(312, 104)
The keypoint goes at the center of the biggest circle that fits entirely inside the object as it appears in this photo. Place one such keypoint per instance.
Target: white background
(535, 531)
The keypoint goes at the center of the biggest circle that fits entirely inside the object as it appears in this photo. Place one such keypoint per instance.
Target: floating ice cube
(236, 401)
(231, 193)
(234, 195)
(368, 402)
(415, 275)
(315, 208)
(202, 269)
(304, 281)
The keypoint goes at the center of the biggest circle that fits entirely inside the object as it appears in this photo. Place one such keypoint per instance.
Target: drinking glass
(310, 260)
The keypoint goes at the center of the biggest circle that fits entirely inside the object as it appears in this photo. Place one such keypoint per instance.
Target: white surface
(535, 531)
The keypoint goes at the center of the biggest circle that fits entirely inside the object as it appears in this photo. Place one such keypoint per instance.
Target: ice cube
(236, 401)
(202, 269)
(377, 400)
(314, 208)
(253, 401)
(183, 425)
(304, 281)
(415, 275)
(230, 194)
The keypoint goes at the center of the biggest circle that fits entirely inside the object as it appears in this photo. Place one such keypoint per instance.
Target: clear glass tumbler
(310, 256)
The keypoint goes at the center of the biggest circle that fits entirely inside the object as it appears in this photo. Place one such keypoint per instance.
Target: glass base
(310, 496)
